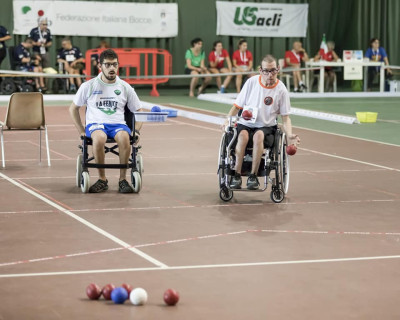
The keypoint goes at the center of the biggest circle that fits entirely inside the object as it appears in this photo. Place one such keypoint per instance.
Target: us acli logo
(268, 101)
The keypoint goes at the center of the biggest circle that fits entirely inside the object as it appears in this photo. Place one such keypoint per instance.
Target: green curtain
(350, 23)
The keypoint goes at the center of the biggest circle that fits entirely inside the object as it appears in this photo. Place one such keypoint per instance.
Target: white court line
(194, 267)
(86, 223)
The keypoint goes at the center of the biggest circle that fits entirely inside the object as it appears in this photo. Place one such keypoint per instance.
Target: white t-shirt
(106, 101)
(267, 102)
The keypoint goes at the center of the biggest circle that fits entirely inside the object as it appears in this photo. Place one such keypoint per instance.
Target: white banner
(103, 19)
(261, 19)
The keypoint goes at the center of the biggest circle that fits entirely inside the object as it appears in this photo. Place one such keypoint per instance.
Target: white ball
(138, 296)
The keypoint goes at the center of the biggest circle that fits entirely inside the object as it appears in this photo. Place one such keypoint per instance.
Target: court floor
(331, 250)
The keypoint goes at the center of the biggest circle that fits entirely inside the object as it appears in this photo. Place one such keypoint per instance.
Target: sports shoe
(124, 187)
(99, 186)
(252, 182)
(222, 90)
(303, 87)
(236, 182)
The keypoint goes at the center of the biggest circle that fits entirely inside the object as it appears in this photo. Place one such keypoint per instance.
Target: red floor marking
(316, 232)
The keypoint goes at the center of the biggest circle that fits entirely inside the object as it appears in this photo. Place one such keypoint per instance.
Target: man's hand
(293, 139)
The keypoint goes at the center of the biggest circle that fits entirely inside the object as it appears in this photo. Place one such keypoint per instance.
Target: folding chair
(25, 111)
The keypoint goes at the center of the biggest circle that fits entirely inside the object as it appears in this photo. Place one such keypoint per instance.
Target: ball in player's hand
(291, 150)
(171, 297)
(93, 291)
(247, 115)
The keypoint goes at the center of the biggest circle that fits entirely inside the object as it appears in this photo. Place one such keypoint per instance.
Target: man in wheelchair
(266, 97)
(105, 98)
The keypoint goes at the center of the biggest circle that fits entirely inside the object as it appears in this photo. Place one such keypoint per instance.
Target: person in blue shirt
(42, 40)
(4, 36)
(72, 60)
(376, 53)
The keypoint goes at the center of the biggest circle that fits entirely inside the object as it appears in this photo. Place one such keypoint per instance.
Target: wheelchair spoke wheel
(79, 170)
(225, 194)
(283, 165)
(136, 181)
(85, 183)
(139, 163)
(7, 86)
(222, 161)
(277, 195)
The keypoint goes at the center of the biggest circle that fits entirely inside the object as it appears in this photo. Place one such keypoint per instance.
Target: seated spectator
(293, 59)
(217, 59)
(4, 36)
(330, 55)
(42, 40)
(195, 57)
(95, 57)
(242, 61)
(72, 61)
(376, 53)
(24, 62)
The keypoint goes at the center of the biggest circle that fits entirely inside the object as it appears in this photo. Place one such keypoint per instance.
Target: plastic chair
(25, 111)
(284, 74)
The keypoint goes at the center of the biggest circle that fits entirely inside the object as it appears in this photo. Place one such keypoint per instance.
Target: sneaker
(236, 182)
(222, 90)
(124, 187)
(252, 182)
(99, 186)
(303, 87)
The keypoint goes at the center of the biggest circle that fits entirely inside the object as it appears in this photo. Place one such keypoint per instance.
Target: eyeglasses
(270, 71)
(108, 65)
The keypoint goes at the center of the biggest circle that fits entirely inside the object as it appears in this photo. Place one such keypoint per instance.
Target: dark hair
(195, 40)
(372, 41)
(268, 59)
(241, 41)
(216, 42)
(108, 54)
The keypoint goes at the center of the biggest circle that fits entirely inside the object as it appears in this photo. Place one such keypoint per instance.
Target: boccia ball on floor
(93, 291)
(107, 289)
(119, 295)
(138, 296)
(171, 297)
(127, 287)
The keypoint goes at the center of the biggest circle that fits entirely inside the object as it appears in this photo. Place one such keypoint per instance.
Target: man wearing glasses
(42, 40)
(267, 97)
(105, 98)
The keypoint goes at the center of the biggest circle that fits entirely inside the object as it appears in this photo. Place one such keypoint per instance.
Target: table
(321, 64)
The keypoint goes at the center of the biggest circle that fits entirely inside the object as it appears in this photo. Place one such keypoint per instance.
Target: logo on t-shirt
(268, 101)
(107, 106)
(117, 92)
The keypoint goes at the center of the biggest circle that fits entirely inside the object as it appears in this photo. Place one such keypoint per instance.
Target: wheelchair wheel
(277, 195)
(139, 163)
(27, 88)
(225, 194)
(79, 170)
(283, 165)
(85, 182)
(222, 162)
(7, 86)
(136, 181)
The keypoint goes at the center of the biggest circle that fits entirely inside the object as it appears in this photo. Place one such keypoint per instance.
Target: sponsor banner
(261, 19)
(103, 19)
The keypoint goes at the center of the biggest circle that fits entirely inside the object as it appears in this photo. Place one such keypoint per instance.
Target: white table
(321, 64)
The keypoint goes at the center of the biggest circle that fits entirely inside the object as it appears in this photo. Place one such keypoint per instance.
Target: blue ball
(119, 295)
(156, 109)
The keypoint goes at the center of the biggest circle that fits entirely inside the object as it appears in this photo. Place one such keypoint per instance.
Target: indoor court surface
(330, 250)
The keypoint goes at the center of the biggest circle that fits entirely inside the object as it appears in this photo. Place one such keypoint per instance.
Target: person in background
(330, 55)
(195, 64)
(4, 36)
(293, 59)
(72, 60)
(376, 53)
(42, 41)
(242, 61)
(216, 60)
(25, 62)
(95, 57)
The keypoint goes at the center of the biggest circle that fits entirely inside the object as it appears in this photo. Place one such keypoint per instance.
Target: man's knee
(99, 138)
(122, 139)
(258, 138)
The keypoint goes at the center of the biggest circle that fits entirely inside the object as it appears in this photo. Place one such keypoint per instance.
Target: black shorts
(269, 134)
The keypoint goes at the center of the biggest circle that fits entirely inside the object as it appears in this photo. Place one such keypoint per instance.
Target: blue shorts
(109, 129)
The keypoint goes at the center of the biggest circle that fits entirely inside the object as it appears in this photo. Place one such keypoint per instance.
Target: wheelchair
(274, 166)
(135, 161)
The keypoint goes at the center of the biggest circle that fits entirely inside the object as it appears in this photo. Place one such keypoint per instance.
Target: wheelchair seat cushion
(269, 134)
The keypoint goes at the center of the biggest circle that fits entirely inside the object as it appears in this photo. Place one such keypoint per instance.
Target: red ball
(93, 291)
(291, 150)
(107, 289)
(127, 287)
(247, 115)
(40, 13)
(171, 297)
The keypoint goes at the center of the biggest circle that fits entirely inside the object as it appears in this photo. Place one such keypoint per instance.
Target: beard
(110, 76)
